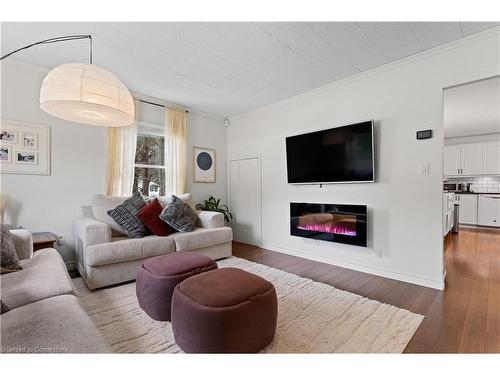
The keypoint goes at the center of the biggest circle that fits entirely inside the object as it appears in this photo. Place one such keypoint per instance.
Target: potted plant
(212, 204)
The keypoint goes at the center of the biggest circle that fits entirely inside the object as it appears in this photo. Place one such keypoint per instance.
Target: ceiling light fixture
(84, 93)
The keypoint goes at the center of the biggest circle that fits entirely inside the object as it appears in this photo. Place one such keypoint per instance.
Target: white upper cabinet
(491, 158)
(451, 166)
(472, 159)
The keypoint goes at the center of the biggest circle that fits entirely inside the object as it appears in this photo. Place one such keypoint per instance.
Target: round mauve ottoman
(158, 276)
(227, 310)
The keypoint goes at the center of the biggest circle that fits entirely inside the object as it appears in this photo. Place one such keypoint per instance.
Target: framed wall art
(5, 154)
(24, 148)
(203, 164)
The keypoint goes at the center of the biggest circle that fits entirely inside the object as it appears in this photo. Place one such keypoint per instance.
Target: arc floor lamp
(84, 93)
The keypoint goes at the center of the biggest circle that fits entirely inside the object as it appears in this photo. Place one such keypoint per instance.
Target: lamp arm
(54, 40)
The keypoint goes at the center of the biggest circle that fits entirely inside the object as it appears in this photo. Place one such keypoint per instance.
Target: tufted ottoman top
(178, 263)
(224, 287)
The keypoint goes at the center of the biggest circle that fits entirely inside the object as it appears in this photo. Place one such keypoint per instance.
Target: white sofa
(106, 256)
(44, 314)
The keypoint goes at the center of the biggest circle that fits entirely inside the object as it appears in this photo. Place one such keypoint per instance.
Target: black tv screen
(343, 154)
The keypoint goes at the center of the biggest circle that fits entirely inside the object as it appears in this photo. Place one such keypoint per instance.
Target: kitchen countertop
(470, 192)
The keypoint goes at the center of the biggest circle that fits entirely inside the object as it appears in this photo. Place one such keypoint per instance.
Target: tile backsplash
(482, 184)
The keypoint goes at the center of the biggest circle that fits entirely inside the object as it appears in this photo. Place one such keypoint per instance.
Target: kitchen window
(149, 171)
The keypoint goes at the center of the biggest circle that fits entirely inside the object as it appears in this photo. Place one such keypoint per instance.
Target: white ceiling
(230, 68)
(472, 109)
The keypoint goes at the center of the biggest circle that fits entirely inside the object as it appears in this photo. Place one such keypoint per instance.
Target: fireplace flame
(328, 228)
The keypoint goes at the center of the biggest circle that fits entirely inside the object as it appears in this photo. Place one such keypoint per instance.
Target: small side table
(43, 240)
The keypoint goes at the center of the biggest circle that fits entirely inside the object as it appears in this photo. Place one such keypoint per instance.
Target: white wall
(78, 153)
(78, 158)
(207, 132)
(404, 231)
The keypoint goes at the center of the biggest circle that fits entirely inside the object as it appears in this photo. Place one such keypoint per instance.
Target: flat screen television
(342, 154)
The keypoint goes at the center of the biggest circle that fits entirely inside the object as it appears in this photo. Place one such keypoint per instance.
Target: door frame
(259, 161)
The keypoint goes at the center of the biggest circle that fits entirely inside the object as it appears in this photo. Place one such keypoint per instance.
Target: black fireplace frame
(360, 211)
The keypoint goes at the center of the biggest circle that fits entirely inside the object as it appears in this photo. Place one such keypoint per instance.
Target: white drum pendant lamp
(86, 94)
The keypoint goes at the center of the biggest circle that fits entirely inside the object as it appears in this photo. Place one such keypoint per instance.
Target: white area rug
(312, 318)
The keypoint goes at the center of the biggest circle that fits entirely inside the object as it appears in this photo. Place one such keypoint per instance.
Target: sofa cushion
(124, 249)
(43, 276)
(201, 238)
(53, 325)
(179, 215)
(150, 216)
(101, 204)
(126, 216)
(9, 262)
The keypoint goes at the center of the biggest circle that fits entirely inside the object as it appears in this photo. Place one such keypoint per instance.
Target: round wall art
(203, 164)
(204, 161)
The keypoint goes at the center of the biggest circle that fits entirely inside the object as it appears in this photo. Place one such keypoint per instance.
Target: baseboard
(434, 284)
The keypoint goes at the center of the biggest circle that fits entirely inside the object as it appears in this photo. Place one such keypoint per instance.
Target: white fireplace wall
(404, 206)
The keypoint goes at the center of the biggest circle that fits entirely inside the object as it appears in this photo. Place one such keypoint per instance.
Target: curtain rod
(156, 104)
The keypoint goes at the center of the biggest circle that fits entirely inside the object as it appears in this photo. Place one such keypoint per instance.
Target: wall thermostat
(424, 134)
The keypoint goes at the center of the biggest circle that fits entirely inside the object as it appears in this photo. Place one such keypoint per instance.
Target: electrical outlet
(60, 240)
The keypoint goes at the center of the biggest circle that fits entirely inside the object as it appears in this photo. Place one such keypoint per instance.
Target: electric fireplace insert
(329, 222)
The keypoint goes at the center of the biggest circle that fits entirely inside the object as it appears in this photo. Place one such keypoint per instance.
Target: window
(149, 174)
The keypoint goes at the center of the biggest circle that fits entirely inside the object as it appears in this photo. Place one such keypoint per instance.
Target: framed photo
(5, 154)
(30, 141)
(203, 164)
(8, 135)
(25, 148)
(26, 157)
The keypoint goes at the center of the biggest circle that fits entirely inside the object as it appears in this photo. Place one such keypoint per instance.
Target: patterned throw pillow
(9, 262)
(126, 216)
(4, 308)
(179, 215)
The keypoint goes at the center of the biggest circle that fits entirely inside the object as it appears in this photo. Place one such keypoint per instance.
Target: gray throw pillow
(9, 262)
(4, 308)
(126, 216)
(179, 215)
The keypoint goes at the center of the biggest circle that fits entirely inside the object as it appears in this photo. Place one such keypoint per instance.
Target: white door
(245, 200)
(468, 209)
(451, 160)
(489, 210)
(472, 159)
(491, 159)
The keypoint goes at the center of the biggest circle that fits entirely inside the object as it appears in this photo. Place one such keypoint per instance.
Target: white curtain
(175, 151)
(122, 142)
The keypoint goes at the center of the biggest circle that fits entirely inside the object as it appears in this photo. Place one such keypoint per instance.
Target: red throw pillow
(150, 216)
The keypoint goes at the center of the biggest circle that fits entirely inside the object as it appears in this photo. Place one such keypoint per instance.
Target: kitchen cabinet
(489, 210)
(451, 160)
(491, 158)
(472, 159)
(468, 208)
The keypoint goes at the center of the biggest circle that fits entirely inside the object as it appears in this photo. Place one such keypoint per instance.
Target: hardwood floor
(464, 318)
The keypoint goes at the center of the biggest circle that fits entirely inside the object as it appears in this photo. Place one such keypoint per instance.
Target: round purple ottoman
(157, 278)
(227, 310)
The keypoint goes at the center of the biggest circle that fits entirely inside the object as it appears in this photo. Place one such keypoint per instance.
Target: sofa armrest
(23, 242)
(92, 232)
(209, 219)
